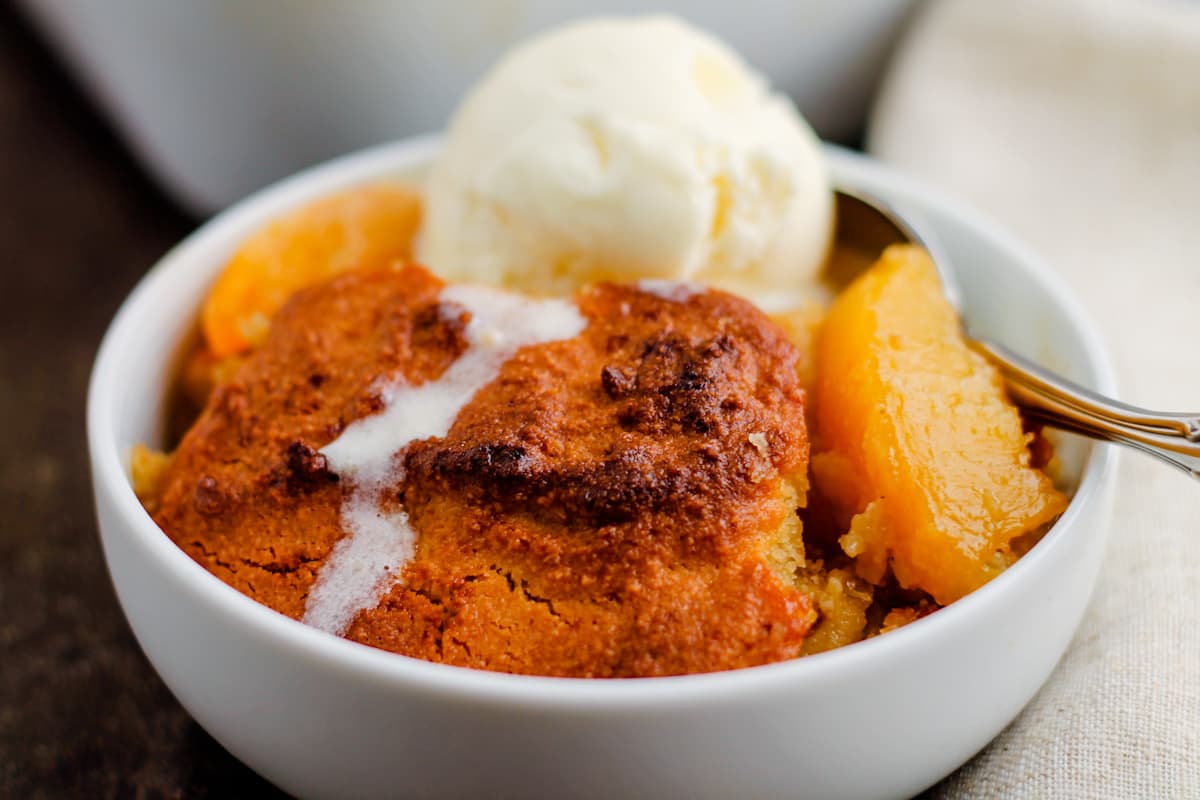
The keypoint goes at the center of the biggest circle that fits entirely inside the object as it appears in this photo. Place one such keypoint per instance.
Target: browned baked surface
(619, 504)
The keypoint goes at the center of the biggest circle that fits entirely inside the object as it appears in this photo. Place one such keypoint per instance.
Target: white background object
(220, 97)
(324, 717)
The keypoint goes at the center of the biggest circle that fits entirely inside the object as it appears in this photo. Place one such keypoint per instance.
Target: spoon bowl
(868, 224)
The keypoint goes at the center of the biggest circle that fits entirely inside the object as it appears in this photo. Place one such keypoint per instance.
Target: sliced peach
(919, 439)
(364, 227)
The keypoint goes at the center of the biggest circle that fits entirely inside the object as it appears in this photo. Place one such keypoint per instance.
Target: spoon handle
(1055, 401)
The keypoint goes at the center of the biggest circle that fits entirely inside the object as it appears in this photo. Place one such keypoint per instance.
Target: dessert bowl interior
(321, 716)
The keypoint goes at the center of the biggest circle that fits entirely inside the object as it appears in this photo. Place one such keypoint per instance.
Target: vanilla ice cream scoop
(627, 149)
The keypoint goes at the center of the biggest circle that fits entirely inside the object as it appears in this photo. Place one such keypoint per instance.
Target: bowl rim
(614, 696)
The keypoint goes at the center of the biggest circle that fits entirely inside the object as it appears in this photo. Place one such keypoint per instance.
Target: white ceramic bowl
(323, 717)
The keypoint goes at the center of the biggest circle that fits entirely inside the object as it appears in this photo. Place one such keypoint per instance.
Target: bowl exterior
(322, 717)
(886, 729)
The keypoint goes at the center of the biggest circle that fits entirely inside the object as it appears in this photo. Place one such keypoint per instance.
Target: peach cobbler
(638, 479)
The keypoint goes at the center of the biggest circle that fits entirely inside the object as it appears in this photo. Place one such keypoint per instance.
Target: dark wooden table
(82, 714)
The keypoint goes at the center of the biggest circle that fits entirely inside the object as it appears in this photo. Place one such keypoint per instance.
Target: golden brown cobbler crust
(622, 503)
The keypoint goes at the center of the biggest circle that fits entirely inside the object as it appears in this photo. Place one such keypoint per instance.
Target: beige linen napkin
(1077, 125)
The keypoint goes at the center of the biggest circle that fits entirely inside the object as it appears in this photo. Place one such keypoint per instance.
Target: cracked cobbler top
(600, 488)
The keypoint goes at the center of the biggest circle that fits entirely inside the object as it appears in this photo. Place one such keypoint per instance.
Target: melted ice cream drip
(368, 560)
(675, 291)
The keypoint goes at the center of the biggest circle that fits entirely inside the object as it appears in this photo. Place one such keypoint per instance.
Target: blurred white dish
(323, 717)
(221, 97)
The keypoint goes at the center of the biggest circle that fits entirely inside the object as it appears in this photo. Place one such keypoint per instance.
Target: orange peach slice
(364, 227)
(919, 439)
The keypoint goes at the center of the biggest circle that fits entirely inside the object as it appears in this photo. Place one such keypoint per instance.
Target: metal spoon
(868, 224)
